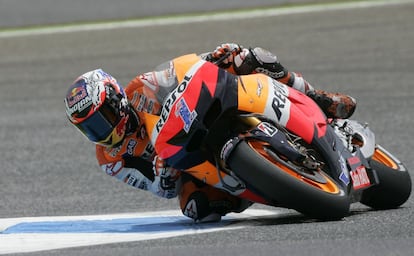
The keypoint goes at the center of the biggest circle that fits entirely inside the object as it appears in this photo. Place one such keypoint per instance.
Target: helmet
(97, 105)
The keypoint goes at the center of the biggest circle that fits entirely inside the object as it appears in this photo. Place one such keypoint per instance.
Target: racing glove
(166, 182)
(227, 51)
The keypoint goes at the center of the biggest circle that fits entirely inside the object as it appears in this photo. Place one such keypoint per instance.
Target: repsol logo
(169, 102)
(279, 100)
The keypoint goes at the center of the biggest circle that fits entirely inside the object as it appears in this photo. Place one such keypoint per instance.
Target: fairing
(206, 92)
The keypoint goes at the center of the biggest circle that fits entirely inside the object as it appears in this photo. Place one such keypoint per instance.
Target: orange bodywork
(253, 99)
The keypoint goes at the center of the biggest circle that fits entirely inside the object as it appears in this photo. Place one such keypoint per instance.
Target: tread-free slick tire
(394, 186)
(288, 191)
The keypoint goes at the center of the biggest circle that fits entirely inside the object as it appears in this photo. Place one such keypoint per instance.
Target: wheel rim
(384, 158)
(328, 186)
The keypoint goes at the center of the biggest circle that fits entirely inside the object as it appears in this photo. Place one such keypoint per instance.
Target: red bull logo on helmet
(76, 95)
(77, 98)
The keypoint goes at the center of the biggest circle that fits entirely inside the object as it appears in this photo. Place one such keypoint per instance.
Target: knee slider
(197, 206)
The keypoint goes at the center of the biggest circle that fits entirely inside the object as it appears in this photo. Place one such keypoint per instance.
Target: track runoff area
(30, 234)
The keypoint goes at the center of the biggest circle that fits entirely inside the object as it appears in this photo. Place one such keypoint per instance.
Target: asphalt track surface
(49, 169)
(15, 13)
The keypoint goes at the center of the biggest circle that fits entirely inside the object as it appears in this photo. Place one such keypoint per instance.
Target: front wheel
(394, 186)
(313, 193)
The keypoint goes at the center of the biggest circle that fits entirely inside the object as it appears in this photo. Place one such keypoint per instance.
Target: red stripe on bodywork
(305, 116)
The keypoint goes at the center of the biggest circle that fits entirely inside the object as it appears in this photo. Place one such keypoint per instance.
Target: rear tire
(394, 186)
(288, 190)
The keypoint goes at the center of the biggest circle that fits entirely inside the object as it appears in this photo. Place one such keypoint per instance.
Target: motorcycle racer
(112, 118)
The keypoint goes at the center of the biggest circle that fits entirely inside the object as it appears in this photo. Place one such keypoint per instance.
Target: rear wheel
(311, 192)
(394, 186)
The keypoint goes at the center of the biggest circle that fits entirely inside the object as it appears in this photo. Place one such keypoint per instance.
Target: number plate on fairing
(359, 175)
(360, 178)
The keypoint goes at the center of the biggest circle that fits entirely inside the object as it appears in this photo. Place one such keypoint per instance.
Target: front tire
(321, 198)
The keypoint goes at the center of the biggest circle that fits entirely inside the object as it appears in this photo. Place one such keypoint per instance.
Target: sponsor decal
(282, 88)
(112, 168)
(130, 180)
(344, 177)
(136, 179)
(142, 101)
(186, 115)
(267, 129)
(135, 99)
(113, 152)
(191, 209)
(78, 100)
(150, 106)
(360, 178)
(170, 100)
(279, 98)
(148, 152)
(131, 147)
(259, 88)
(354, 160)
(143, 184)
(141, 133)
(76, 95)
(275, 75)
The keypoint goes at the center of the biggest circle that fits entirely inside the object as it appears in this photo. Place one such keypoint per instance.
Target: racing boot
(334, 105)
(204, 203)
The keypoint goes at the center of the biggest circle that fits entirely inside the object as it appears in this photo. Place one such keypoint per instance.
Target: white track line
(221, 16)
(30, 234)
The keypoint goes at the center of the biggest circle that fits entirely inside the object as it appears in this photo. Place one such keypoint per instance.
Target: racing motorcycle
(265, 142)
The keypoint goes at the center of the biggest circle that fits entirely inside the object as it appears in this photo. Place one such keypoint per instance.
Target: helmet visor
(99, 126)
